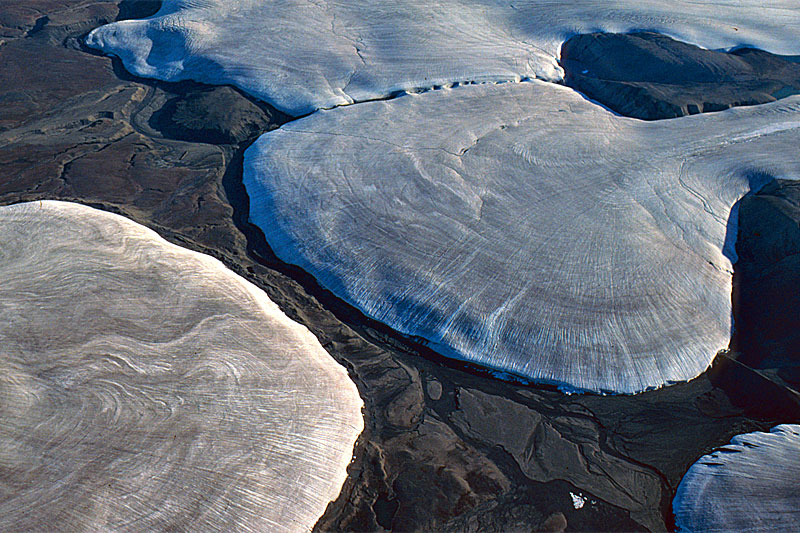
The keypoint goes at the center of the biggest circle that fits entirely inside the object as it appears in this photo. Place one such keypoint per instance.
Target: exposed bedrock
(138, 9)
(652, 76)
(766, 296)
(84, 134)
(219, 115)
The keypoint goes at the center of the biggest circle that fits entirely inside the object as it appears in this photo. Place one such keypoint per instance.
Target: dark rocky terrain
(218, 115)
(651, 76)
(766, 298)
(446, 445)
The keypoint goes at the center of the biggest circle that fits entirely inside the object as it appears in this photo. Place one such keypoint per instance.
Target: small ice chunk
(578, 500)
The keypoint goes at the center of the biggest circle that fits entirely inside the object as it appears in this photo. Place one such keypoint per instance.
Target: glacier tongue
(302, 55)
(749, 485)
(146, 387)
(524, 228)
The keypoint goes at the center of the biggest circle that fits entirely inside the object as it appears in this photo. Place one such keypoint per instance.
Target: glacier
(521, 227)
(303, 55)
(748, 485)
(514, 225)
(147, 387)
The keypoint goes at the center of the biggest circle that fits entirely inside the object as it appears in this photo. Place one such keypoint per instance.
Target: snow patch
(578, 500)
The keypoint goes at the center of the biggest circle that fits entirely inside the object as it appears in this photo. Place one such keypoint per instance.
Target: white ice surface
(523, 227)
(144, 387)
(302, 55)
(578, 500)
(749, 485)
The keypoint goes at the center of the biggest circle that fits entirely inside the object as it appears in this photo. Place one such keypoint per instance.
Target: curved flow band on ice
(146, 387)
(748, 485)
(524, 228)
(302, 55)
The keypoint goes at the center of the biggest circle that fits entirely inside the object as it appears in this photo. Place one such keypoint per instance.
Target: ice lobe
(749, 485)
(523, 227)
(302, 55)
(146, 387)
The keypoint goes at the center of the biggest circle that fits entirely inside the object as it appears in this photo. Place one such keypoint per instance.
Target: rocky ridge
(651, 76)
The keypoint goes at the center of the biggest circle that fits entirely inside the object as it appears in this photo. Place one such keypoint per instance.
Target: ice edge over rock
(301, 56)
(523, 228)
(748, 485)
